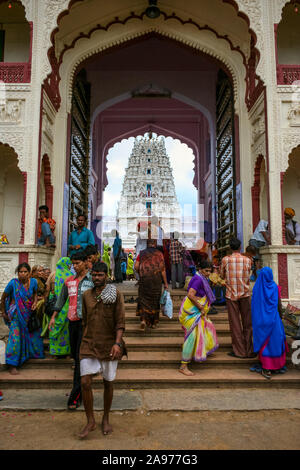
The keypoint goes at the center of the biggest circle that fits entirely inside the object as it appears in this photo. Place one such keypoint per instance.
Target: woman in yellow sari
(200, 338)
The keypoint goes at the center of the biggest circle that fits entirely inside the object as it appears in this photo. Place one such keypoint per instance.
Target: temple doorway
(179, 93)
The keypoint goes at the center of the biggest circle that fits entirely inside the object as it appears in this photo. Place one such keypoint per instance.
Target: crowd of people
(80, 310)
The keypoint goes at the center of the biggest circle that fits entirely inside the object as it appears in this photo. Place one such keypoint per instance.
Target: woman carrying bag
(200, 337)
(18, 303)
(59, 341)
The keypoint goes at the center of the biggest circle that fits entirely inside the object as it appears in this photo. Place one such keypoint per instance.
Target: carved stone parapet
(287, 74)
(15, 72)
(293, 115)
(11, 111)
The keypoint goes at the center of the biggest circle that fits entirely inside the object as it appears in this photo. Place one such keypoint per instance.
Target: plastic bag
(163, 298)
(2, 352)
(167, 308)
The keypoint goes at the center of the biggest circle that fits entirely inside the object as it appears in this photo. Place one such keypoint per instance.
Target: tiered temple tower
(148, 190)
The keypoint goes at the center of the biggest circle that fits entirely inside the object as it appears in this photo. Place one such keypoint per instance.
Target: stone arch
(46, 188)
(260, 192)
(17, 52)
(232, 63)
(206, 42)
(59, 11)
(290, 142)
(291, 182)
(288, 36)
(281, 4)
(13, 185)
(150, 128)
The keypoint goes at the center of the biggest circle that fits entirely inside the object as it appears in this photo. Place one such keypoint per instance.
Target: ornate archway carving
(254, 84)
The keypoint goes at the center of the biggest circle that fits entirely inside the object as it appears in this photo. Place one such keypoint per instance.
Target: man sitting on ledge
(46, 227)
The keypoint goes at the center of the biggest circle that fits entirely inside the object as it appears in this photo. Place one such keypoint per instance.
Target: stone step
(150, 359)
(134, 378)
(131, 317)
(156, 343)
(130, 297)
(129, 306)
(168, 329)
(149, 342)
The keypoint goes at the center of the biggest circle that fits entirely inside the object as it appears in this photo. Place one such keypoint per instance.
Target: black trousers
(75, 332)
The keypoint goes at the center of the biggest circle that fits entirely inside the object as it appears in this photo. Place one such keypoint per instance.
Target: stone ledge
(26, 249)
(274, 249)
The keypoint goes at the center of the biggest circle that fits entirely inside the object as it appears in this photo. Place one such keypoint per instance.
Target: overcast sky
(181, 158)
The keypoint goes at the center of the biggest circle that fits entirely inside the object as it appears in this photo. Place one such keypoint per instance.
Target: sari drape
(269, 338)
(117, 248)
(21, 345)
(59, 340)
(200, 338)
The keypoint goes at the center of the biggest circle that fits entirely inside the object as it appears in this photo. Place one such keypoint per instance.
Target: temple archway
(217, 49)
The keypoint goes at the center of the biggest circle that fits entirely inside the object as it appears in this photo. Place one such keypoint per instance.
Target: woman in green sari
(106, 257)
(59, 341)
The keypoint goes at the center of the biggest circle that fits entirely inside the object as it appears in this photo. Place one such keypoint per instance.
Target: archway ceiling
(85, 16)
(135, 116)
(152, 60)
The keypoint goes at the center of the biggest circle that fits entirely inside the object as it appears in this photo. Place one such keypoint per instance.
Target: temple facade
(148, 190)
(221, 76)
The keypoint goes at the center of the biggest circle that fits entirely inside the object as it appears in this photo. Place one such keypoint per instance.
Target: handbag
(50, 306)
(34, 323)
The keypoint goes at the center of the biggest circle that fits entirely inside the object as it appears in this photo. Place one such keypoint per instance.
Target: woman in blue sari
(18, 301)
(269, 338)
(117, 249)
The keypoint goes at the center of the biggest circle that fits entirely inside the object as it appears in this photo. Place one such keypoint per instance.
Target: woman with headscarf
(269, 338)
(200, 337)
(37, 273)
(150, 266)
(18, 302)
(106, 257)
(129, 270)
(59, 342)
(117, 250)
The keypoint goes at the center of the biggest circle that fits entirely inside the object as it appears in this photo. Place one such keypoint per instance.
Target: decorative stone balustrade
(15, 72)
(287, 74)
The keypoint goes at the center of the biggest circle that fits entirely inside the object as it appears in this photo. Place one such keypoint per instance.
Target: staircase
(153, 360)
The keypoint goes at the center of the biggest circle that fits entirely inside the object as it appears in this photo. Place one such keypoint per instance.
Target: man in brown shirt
(103, 322)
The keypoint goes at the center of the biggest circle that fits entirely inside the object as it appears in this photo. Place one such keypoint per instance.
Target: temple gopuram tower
(148, 190)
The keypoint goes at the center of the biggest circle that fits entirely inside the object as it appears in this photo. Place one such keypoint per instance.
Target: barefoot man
(103, 321)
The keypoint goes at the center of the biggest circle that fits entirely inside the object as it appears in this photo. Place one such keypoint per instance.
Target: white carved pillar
(33, 124)
(273, 124)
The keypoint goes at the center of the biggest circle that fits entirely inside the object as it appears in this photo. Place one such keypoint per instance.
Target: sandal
(74, 403)
(255, 368)
(266, 373)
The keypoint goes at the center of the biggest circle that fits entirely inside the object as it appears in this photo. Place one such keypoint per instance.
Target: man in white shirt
(261, 236)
